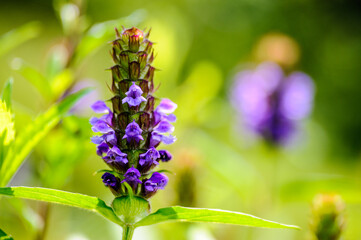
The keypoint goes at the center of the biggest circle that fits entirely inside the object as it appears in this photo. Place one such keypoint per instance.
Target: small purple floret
(114, 155)
(155, 182)
(165, 156)
(134, 96)
(133, 132)
(102, 148)
(132, 175)
(110, 180)
(149, 158)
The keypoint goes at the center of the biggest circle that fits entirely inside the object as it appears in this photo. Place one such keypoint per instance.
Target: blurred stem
(45, 216)
(128, 231)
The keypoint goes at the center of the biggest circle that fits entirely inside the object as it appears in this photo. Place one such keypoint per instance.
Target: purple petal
(164, 127)
(100, 107)
(97, 139)
(102, 127)
(171, 118)
(297, 96)
(166, 106)
(168, 139)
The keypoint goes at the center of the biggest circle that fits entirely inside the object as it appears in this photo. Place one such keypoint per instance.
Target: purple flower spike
(166, 106)
(110, 180)
(129, 132)
(165, 156)
(100, 107)
(133, 132)
(134, 96)
(164, 127)
(132, 176)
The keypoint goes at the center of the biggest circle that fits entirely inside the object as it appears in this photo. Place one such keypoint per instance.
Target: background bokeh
(200, 47)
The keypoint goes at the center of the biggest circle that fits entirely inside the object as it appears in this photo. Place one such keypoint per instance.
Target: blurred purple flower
(271, 103)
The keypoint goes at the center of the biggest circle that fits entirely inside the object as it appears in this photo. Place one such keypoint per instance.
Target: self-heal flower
(134, 96)
(135, 126)
(133, 132)
(271, 103)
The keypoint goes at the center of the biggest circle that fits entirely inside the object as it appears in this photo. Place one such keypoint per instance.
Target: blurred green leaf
(102, 32)
(184, 214)
(18, 36)
(28, 138)
(7, 92)
(4, 236)
(36, 78)
(65, 198)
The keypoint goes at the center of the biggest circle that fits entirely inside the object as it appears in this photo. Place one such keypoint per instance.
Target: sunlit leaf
(184, 214)
(6, 93)
(36, 78)
(4, 236)
(65, 198)
(29, 137)
(15, 37)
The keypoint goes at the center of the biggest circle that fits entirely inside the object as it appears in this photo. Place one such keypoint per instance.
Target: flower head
(130, 131)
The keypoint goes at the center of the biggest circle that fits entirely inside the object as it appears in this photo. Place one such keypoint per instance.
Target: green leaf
(7, 92)
(28, 138)
(184, 214)
(65, 198)
(4, 236)
(36, 78)
(15, 37)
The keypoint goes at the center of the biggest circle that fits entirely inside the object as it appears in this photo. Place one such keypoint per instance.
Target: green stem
(128, 231)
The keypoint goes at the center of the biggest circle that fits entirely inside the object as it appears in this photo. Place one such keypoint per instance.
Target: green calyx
(131, 208)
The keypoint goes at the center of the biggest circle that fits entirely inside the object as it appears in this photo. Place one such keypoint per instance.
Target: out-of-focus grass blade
(7, 92)
(15, 37)
(184, 214)
(28, 138)
(4, 236)
(36, 78)
(100, 33)
(65, 198)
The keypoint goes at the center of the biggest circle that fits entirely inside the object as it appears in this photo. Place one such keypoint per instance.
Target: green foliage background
(199, 44)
